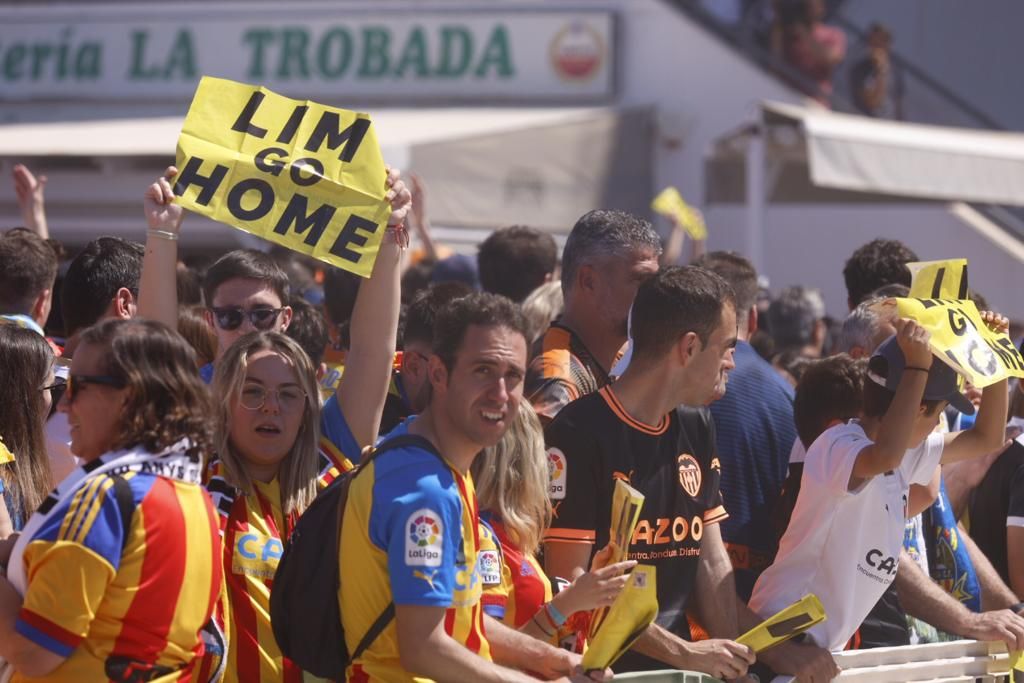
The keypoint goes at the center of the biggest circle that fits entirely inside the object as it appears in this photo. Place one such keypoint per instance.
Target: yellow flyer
(790, 622)
(628, 617)
(670, 203)
(626, 505)
(959, 337)
(293, 172)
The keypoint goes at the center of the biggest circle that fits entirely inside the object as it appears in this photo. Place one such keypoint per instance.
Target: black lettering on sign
(288, 132)
(271, 166)
(789, 627)
(244, 122)
(937, 285)
(1014, 358)
(327, 129)
(315, 223)
(981, 358)
(239, 191)
(190, 176)
(315, 167)
(351, 233)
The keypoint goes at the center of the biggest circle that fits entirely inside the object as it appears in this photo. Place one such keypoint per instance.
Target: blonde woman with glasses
(511, 480)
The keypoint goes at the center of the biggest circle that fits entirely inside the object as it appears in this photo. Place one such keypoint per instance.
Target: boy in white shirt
(843, 541)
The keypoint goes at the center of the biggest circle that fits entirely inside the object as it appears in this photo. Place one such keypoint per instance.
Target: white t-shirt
(843, 546)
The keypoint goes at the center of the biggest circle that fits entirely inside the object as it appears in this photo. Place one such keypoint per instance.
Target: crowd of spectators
(164, 428)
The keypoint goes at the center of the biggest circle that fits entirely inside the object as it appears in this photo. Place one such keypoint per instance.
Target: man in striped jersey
(410, 536)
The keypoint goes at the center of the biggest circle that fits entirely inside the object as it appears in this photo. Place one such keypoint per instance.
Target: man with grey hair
(796, 321)
(606, 258)
(864, 330)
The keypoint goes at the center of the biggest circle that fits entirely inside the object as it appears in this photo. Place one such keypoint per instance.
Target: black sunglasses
(231, 317)
(75, 383)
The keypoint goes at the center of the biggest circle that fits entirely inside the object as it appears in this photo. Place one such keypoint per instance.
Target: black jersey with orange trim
(593, 442)
(562, 370)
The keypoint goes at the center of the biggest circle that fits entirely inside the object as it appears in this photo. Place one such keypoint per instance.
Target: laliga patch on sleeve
(489, 567)
(557, 467)
(423, 540)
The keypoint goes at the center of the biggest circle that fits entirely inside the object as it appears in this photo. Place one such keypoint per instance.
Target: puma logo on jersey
(429, 578)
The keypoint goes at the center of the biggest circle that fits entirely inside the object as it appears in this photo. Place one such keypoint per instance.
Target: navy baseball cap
(943, 382)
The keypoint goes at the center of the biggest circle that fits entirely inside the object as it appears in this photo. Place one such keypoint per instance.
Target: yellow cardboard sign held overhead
(959, 337)
(670, 203)
(296, 173)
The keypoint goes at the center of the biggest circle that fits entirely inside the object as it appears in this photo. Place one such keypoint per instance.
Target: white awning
(909, 160)
(397, 130)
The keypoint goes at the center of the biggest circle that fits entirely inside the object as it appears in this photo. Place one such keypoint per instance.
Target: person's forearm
(990, 424)
(926, 600)
(895, 429)
(995, 594)
(35, 219)
(516, 649)
(715, 587)
(372, 349)
(445, 661)
(158, 290)
(657, 643)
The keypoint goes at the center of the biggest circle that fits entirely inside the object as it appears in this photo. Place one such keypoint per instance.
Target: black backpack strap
(375, 630)
(125, 506)
(401, 441)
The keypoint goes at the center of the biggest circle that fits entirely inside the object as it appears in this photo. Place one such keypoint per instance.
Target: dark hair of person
(309, 329)
(25, 361)
(421, 314)
(246, 264)
(675, 301)
(830, 389)
(895, 290)
(340, 290)
(192, 326)
(877, 398)
(415, 279)
(105, 265)
(879, 262)
(166, 400)
(479, 308)
(190, 290)
(516, 260)
(738, 272)
(29, 267)
(600, 234)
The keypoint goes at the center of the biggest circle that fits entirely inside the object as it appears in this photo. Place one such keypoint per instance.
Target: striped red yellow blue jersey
(255, 530)
(410, 534)
(123, 603)
(524, 587)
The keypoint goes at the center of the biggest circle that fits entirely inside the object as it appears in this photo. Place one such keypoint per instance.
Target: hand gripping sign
(959, 337)
(300, 174)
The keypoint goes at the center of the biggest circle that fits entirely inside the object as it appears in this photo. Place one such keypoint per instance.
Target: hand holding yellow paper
(629, 616)
(670, 203)
(626, 505)
(297, 173)
(959, 337)
(790, 622)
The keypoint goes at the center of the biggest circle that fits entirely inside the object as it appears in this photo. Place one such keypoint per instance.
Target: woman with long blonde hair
(512, 480)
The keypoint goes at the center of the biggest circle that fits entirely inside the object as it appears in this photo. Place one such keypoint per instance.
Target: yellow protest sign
(629, 616)
(670, 203)
(959, 337)
(5, 453)
(297, 173)
(790, 622)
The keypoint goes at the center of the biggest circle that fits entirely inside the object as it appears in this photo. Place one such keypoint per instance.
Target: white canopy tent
(813, 155)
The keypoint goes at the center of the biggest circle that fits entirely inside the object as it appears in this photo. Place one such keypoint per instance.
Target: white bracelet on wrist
(163, 234)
